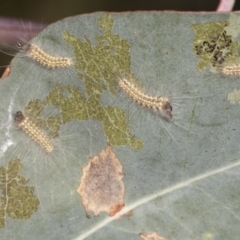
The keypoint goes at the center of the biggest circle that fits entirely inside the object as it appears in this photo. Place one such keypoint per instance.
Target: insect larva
(37, 54)
(33, 131)
(230, 68)
(160, 104)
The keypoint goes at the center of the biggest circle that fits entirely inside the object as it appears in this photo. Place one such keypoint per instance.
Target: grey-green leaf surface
(181, 175)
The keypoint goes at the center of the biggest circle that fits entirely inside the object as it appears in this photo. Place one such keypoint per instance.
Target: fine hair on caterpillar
(19, 34)
(31, 141)
(45, 53)
(16, 141)
(41, 57)
(21, 123)
(59, 70)
(154, 105)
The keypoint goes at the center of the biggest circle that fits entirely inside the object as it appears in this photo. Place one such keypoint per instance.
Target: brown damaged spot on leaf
(115, 208)
(101, 187)
(6, 72)
(151, 236)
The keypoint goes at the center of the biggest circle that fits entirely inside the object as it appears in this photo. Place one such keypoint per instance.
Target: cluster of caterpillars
(159, 104)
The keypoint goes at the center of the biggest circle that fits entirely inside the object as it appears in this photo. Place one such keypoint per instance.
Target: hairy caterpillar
(33, 131)
(230, 68)
(46, 60)
(36, 51)
(160, 104)
(164, 106)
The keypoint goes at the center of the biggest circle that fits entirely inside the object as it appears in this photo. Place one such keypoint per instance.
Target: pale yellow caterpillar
(37, 54)
(230, 68)
(160, 104)
(33, 131)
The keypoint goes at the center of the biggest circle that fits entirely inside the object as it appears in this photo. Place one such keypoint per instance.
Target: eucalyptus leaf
(178, 176)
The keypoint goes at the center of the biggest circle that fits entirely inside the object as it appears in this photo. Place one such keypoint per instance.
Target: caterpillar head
(18, 117)
(167, 109)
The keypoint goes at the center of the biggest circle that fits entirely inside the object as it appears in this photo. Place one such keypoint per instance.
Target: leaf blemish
(101, 187)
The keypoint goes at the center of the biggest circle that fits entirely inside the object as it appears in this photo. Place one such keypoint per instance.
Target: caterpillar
(160, 104)
(33, 131)
(46, 60)
(230, 68)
